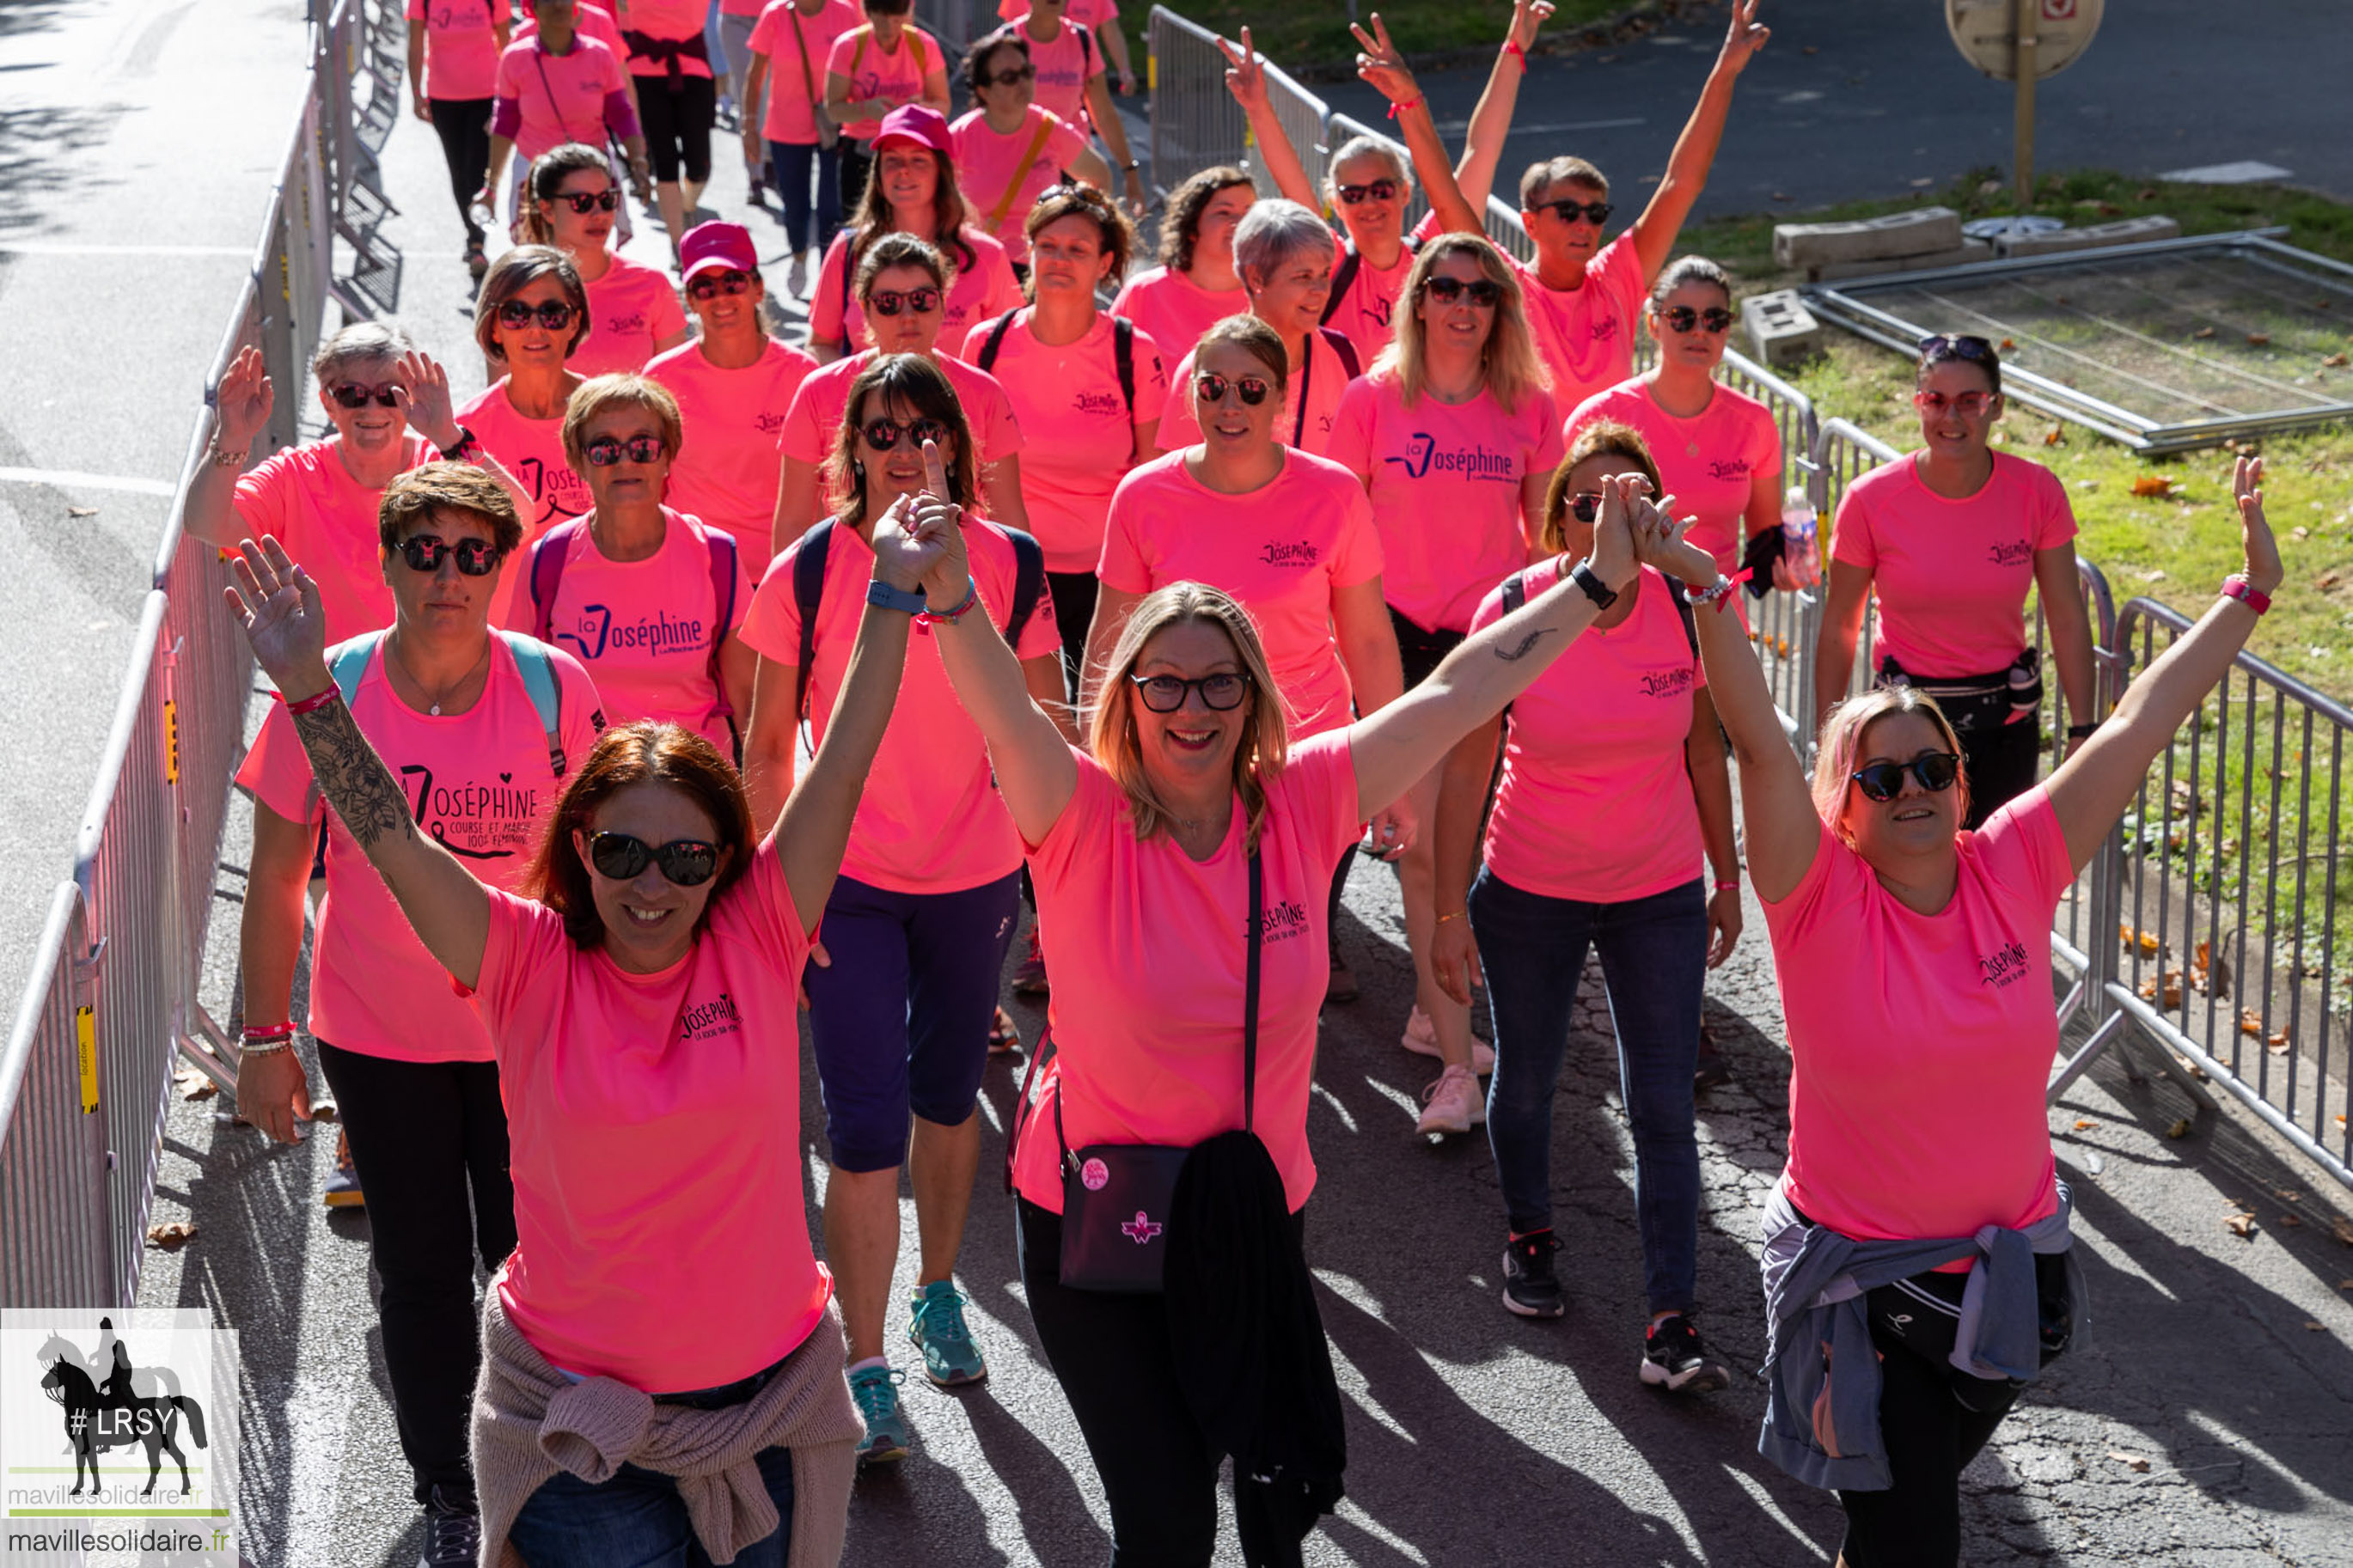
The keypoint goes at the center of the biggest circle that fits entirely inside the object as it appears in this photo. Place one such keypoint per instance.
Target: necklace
(443, 696)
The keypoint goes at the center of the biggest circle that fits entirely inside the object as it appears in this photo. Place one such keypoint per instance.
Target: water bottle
(1798, 529)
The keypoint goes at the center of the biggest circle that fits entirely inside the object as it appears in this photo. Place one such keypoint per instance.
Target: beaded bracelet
(971, 596)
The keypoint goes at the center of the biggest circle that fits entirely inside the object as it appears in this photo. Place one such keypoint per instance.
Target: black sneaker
(453, 1530)
(1529, 1288)
(1673, 1359)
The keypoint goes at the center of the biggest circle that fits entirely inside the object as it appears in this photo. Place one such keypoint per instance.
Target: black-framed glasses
(1957, 345)
(1595, 213)
(582, 202)
(1884, 781)
(1716, 319)
(1013, 77)
(352, 394)
(515, 315)
(1483, 292)
(476, 557)
(684, 862)
(1378, 190)
(606, 450)
(884, 434)
(1220, 693)
(1208, 386)
(710, 285)
(890, 302)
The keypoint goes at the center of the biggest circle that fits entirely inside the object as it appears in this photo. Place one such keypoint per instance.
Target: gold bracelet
(1456, 915)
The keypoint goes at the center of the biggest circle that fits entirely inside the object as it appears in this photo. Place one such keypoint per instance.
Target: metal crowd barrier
(1196, 123)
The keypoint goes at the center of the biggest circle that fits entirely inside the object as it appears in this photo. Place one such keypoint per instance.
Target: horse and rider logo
(106, 1403)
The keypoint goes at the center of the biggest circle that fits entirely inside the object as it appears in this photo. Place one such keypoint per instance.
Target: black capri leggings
(464, 126)
(1931, 1437)
(677, 117)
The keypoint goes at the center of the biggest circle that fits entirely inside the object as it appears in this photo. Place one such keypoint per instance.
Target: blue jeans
(637, 1520)
(1654, 964)
(807, 227)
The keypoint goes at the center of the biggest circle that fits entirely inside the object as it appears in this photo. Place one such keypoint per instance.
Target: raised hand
(1744, 37)
(422, 387)
(1380, 64)
(1661, 542)
(1624, 513)
(1527, 16)
(278, 605)
(1245, 74)
(2264, 572)
(915, 540)
(242, 402)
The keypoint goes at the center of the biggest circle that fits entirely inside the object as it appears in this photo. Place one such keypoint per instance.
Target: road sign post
(2022, 41)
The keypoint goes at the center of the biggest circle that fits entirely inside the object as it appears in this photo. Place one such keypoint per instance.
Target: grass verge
(1312, 39)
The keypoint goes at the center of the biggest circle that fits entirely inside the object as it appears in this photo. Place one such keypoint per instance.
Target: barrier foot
(2173, 1068)
(200, 1056)
(2081, 1060)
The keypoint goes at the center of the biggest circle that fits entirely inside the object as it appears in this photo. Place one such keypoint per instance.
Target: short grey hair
(1389, 152)
(362, 343)
(1275, 230)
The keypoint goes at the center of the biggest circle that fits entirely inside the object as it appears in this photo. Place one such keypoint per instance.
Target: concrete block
(1780, 330)
(1967, 251)
(2129, 231)
(1919, 232)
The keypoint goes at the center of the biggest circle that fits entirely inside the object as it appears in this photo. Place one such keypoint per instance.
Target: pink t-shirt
(793, 75)
(1585, 335)
(726, 472)
(661, 1218)
(1594, 805)
(327, 523)
(1081, 436)
(1090, 13)
(991, 170)
(1066, 63)
(1311, 402)
(815, 418)
(874, 72)
(930, 819)
(1150, 953)
(664, 19)
(977, 293)
(561, 98)
(1709, 463)
(1173, 309)
(1951, 575)
(1283, 551)
(644, 628)
(1367, 311)
(462, 53)
(481, 783)
(532, 451)
(1921, 1044)
(631, 309)
(1445, 482)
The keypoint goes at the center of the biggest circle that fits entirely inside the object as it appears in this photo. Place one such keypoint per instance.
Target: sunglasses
(1010, 79)
(1956, 345)
(1884, 781)
(710, 285)
(1584, 506)
(1595, 213)
(684, 862)
(884, 434)
(582, 201)
(1965, 403)
(1208, 386)
(890, 302)
(1484, 292)
(1379, 191)
(1716, 319)
(516, 314)
(352, 394)
(606, 450)
(1220, 693)
(476, 557)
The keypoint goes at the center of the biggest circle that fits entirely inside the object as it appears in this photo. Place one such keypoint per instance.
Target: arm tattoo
(352, 777)
(1521, 648)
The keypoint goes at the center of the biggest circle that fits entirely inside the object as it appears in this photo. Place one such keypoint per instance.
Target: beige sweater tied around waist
(530, 1421)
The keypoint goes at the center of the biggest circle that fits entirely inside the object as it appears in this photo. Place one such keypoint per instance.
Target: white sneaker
(1451, 1103)
(1420, 1038)
(796, 277)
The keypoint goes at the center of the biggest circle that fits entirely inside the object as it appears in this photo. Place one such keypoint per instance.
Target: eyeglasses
(606, 450)
(582, 201)
(1716, 319)
(1969, 403)
(1884, 781)
(890, 302)
(352, 394)
(476, 557)
(516, 314)
(1379, 191)
(710, 285)
(684, 862)
(884, 434)
(1484, 292)
(1595, 213)
(1584, 506)
(1010, 79)
(1220, 693)
(1208, 386)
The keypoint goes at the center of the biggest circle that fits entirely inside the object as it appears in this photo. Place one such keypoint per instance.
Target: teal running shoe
(876, 1391)
(937, 1329)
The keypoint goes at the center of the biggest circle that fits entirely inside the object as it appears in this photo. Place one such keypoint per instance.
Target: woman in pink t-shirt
(1949, 541)
(633, 309)
(1613, 782)
(790, 47)
(451, 705)
(531, 314)
(1099, 16)
(873, 72)
(1913, 957)
(677, 99)
(1007, 150)
(453, 70)
(920, 920)
(1454, 439)
(1142, 848)
(1072, 81)
(1196, 285)
(640, 1006)
(561, 81)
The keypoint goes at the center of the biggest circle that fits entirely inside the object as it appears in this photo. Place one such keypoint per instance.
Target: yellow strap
(914, 42)
(1046, 124)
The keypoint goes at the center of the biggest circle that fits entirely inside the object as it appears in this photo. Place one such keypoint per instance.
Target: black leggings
(677, 119)
(2001, 763)
(464, 126)
(1074, 611)
(1931, 1437)
(422, 1134)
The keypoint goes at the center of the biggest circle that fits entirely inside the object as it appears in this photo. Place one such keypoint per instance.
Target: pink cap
(718, 247)
(914, 122)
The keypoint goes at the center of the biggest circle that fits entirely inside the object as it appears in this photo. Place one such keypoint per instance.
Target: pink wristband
(2236, 586)
(1397, 109)
(1512, 46)
(1727, 884)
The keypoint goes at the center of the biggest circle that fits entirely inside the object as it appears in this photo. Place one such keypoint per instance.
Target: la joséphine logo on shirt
(475, 819)
(768, 421)
(560, 492)
(1424, 455)
(1298, 553)
(1728, 468)
(1098, 403)
(1665, 683)
(1280, 921)
(2005, 965)
(2016, 553)
(635, 321)
(709, 1020)
(596, 633)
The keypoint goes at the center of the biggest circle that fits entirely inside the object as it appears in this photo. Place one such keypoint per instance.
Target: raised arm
(1662, 219)
(241, 405)
(423, 392)
(2092, 788)
(1380, 64)
(1246, 79)
(1490, 120)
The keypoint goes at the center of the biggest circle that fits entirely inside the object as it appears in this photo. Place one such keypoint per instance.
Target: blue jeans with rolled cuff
(637, 1520)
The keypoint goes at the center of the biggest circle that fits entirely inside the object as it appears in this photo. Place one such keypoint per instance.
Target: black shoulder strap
(996, 343)
(809, 591)
(1682, 608)
(1028, 582)
(1122, 359)
(1350, 261)
(1345, 347)
(1250, 995)
(725, 574)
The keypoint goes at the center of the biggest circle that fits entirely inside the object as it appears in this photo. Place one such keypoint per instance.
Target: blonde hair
(626, 389)
(1841, 743)
(1265, 743)
(1602, 439)
(1514, 371)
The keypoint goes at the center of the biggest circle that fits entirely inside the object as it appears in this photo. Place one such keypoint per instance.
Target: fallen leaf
(2086, 1126)
(2287, 1219)
(172, 1236)
(2338, 361)
(2241, 1204)
(192, 1085)
(82, 511)
(2251, 1021)
(2007, 345)
(2149, 195)
(2240, 1225)
(2203, 333)
(1816, 49)
(2259, 338)
(2133, 1462)
(2343, 1229)
(2345, 1284)
(2299, 533)
(2316, 1328)
(2325, 580)
(2278, 1042)
(2148, 485)
(2287, 1195)
(2053, 435)
(2179, 1129)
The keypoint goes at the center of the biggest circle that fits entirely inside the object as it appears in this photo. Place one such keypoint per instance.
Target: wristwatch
(877, 591)
(462, 448)
(1583, 575)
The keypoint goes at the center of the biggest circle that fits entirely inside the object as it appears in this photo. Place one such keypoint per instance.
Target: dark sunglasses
(476, 557)
(1484, 292)
(352, 394)
(606, 450)
(1014, 78)
(884, 434)
(1884, 781)
(710, 285)
(1595, 213)
(1379, 191)
(516, 314)
(1208, 386)
(582, 201)
(1220, 693)
(1683, 318)
(890, 301)
(1957, 345)
(1584, 506)
(684, 862)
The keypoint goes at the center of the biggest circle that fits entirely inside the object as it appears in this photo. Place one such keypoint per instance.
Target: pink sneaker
(1451, 1103)
(1420, 1038)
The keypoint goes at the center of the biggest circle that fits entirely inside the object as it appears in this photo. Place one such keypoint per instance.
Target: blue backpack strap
(348, 661)
(546, 691)
(808, 592)
(1028, 582)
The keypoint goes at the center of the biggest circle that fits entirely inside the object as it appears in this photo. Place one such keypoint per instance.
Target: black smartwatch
(457, 451)
(2082, 731)
(1582, 574)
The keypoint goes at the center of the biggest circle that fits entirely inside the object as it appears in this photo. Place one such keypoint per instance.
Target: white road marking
(67, 479)
(1557, 127)
(2246, 171)
(59, 248)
